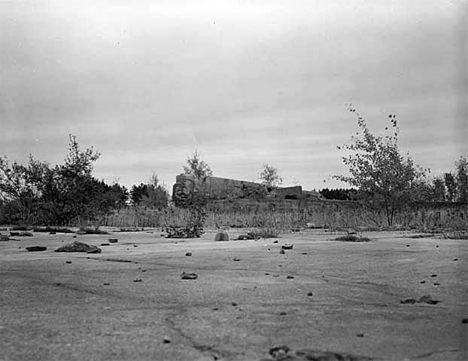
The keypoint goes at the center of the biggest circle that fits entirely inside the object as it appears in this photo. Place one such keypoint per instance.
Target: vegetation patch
(352, 238)
(267, 232)
(91, 231)
(53, 229)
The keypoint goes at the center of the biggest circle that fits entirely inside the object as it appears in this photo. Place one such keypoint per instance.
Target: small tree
(269, 176)
(451, 186)
(151, 195)
(382, 175)
(462, 179)
(197, 167)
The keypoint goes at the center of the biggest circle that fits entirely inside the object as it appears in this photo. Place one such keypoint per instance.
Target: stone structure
(216, 189)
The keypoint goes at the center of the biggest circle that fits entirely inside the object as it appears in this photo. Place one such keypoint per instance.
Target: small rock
(188, 276)
(433, 275)
(215, 309)
(287, 246)
(407, 245)
(282, 251)
(437, 246)
(410, 301)
(360, 335)
(104, 244)
(68, 261)
(36, 248)
(422, 281)
(267, 274)
(221, 237)
(236, 259)
(275, 275)
(135, 245)
(166, 340)
(464, 320)
(436, 284)
(304, 253)
(428, 299)
(74, 236)
(106, 284)
(113, 240)
(279, 352)
(455, 259)
(57, 283)
(234, 304)
(137, 280)
(310, 294)
(289, 277)
(280, 265)
(143, 270)
(283, 313)
(275, 241)
(93, 249)
(188, 254)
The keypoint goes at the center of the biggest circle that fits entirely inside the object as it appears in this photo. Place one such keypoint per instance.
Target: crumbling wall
(216, 188)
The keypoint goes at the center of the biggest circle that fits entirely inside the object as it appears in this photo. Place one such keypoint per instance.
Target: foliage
(382, 175)
(269, 176)
(342, 194)
(462, 179)
(151, 195)
(197, 167)
(38, 193)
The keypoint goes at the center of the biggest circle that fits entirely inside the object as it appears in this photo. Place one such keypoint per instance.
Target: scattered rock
(275, 241)
(93, 249)
(188, 276)
(436, 284)
(407, 245)
(433, 275)
(74, 236)
(243, 237)
(235, 259)
(113, 240)
(284, 353)
(289, 277)
(437, 246)
(135, 245)
(137, 280)
(78, 247)
(455, 259)
(267, 274)
(221, 237)
(310, 294)
(68, 262)
(215, 309)
(166, 340)
(188, 254)
(287, 246)
(423, 299)
(36, 248)
(422, 281)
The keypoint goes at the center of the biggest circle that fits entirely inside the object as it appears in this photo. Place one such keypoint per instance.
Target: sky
(246, 83)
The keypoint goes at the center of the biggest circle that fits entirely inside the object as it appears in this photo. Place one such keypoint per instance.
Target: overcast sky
(245, 82)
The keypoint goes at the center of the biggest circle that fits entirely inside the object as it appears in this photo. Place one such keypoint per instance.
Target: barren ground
(92, 308)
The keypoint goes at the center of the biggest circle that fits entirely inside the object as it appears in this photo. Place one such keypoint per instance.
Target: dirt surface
(248, 300)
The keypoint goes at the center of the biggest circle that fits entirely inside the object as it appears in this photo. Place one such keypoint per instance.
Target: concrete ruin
(218, 189)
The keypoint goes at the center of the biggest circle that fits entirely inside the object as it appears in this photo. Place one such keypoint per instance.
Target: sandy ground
(130, 303)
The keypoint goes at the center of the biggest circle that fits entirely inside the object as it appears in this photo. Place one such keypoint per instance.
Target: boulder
(78, 247)
(221, 237)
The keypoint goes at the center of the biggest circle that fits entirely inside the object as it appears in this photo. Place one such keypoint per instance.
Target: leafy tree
(269, 176)
(462, 179)
(151, 195)
(451, 186)
(61, 194)
(377, 169)
(197, 167)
